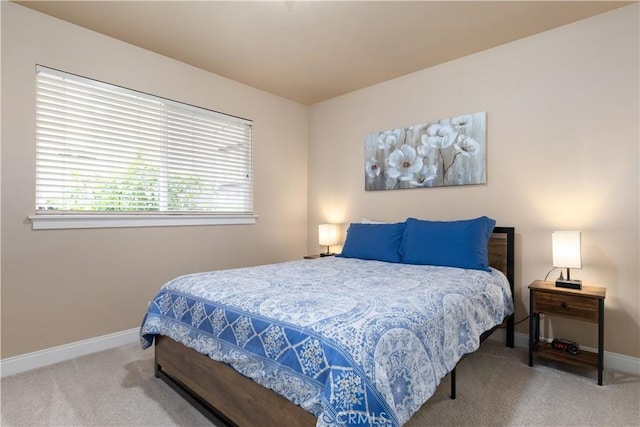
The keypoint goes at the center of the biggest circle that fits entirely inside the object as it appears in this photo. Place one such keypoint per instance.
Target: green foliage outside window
(136, 190)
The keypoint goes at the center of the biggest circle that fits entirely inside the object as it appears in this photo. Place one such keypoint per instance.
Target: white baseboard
(49, 356)
(616, 361)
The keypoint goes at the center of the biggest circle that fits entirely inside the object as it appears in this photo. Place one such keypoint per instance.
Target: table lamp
(327, 236)
(566, 254)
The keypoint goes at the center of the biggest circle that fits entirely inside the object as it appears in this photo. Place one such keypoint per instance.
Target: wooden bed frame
(225, 396)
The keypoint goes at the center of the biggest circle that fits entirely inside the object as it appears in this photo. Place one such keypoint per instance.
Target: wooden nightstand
(316, 256)
(586, 304)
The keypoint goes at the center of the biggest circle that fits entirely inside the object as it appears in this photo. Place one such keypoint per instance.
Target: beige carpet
(495, 388)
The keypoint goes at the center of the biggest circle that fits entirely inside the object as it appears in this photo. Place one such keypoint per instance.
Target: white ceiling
(310, 51)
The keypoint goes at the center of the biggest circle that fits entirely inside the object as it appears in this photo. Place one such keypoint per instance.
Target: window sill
(57, 222)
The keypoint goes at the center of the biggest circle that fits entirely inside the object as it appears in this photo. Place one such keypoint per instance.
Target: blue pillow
(447, 243)
(379, 242)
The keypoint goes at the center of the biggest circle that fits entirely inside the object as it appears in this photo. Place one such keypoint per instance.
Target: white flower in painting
(424, 149)
(466, 146)
(438, 136)
(461, 121)
(425, 176)
(403, 163)
(388, 138)
(372, 168)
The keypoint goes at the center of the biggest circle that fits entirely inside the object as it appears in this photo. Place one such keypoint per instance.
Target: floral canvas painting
(447, 152)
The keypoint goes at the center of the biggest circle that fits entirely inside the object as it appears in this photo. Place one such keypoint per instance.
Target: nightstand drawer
(572, 306)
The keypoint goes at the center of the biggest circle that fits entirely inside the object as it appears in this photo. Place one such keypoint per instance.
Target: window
(106, 150)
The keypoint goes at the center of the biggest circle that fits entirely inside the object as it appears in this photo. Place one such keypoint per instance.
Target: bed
(320, 342)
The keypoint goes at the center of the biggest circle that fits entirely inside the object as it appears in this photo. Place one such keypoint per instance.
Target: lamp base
(570, 284)
(327, 254)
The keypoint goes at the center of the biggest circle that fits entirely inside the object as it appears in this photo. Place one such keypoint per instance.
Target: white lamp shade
(566, 249)
(328, 234)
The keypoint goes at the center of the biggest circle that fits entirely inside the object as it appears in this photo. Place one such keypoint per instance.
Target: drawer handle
(563, 304)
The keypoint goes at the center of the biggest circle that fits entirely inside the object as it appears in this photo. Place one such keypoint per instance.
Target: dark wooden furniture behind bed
(226, 396)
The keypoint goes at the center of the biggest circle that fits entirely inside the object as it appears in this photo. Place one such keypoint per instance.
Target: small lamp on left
(327, 236)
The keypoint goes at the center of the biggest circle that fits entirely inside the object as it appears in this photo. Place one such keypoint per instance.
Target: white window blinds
(106, 149)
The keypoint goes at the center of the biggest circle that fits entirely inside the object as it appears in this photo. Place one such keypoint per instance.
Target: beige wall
(563, 136)
(61, 286)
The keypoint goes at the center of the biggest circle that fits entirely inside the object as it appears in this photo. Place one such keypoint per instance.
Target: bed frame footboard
(239, 401)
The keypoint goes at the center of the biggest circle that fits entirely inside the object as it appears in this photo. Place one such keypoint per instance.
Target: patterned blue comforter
(354, 342)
